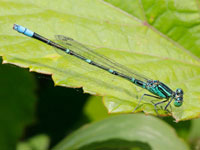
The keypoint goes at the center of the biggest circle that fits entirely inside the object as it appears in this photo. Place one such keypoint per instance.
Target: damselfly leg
(142, 98)
(158, 103)
(155, 104)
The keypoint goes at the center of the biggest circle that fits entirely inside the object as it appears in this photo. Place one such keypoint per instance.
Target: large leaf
(17, 103)
(177, 20)
(124, 132)
(122, 37)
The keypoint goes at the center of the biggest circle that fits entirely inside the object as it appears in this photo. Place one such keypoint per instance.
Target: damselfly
(78, 50)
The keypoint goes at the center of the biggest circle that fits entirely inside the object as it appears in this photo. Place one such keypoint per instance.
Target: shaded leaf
(194, 137)
(38, 142)
(124, 132)
(16, 104)
(194, 131)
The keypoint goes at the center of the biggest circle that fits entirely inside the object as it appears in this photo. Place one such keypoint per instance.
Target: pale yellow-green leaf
(113, 33)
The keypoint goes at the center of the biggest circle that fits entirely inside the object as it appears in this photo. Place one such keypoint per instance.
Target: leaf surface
(127, 39)
(124, 132)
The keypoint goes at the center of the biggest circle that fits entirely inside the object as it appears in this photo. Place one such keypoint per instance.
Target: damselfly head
(179, 91)
(178, 97)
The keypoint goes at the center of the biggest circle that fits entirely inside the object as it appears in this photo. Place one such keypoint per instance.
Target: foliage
(159, 39)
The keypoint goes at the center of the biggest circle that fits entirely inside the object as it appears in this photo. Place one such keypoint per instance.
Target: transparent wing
(96, 57)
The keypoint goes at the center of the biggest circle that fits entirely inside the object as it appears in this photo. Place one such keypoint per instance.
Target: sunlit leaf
(126, 39)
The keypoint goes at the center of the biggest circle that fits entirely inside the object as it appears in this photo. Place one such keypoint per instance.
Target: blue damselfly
(78, 50)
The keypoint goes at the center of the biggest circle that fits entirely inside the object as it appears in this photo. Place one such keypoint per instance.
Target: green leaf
(194, 137)
(38, 142)
(122, 37)
(95, 110)
(124, 132)
(194, 131)
(177, 20)
(16, 104)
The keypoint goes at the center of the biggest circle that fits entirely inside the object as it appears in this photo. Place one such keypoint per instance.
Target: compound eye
(179, 99)
(179, 91)
(177, 103)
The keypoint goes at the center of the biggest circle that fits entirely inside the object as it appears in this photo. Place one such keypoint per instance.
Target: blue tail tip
(15, 26)
(23, 30)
